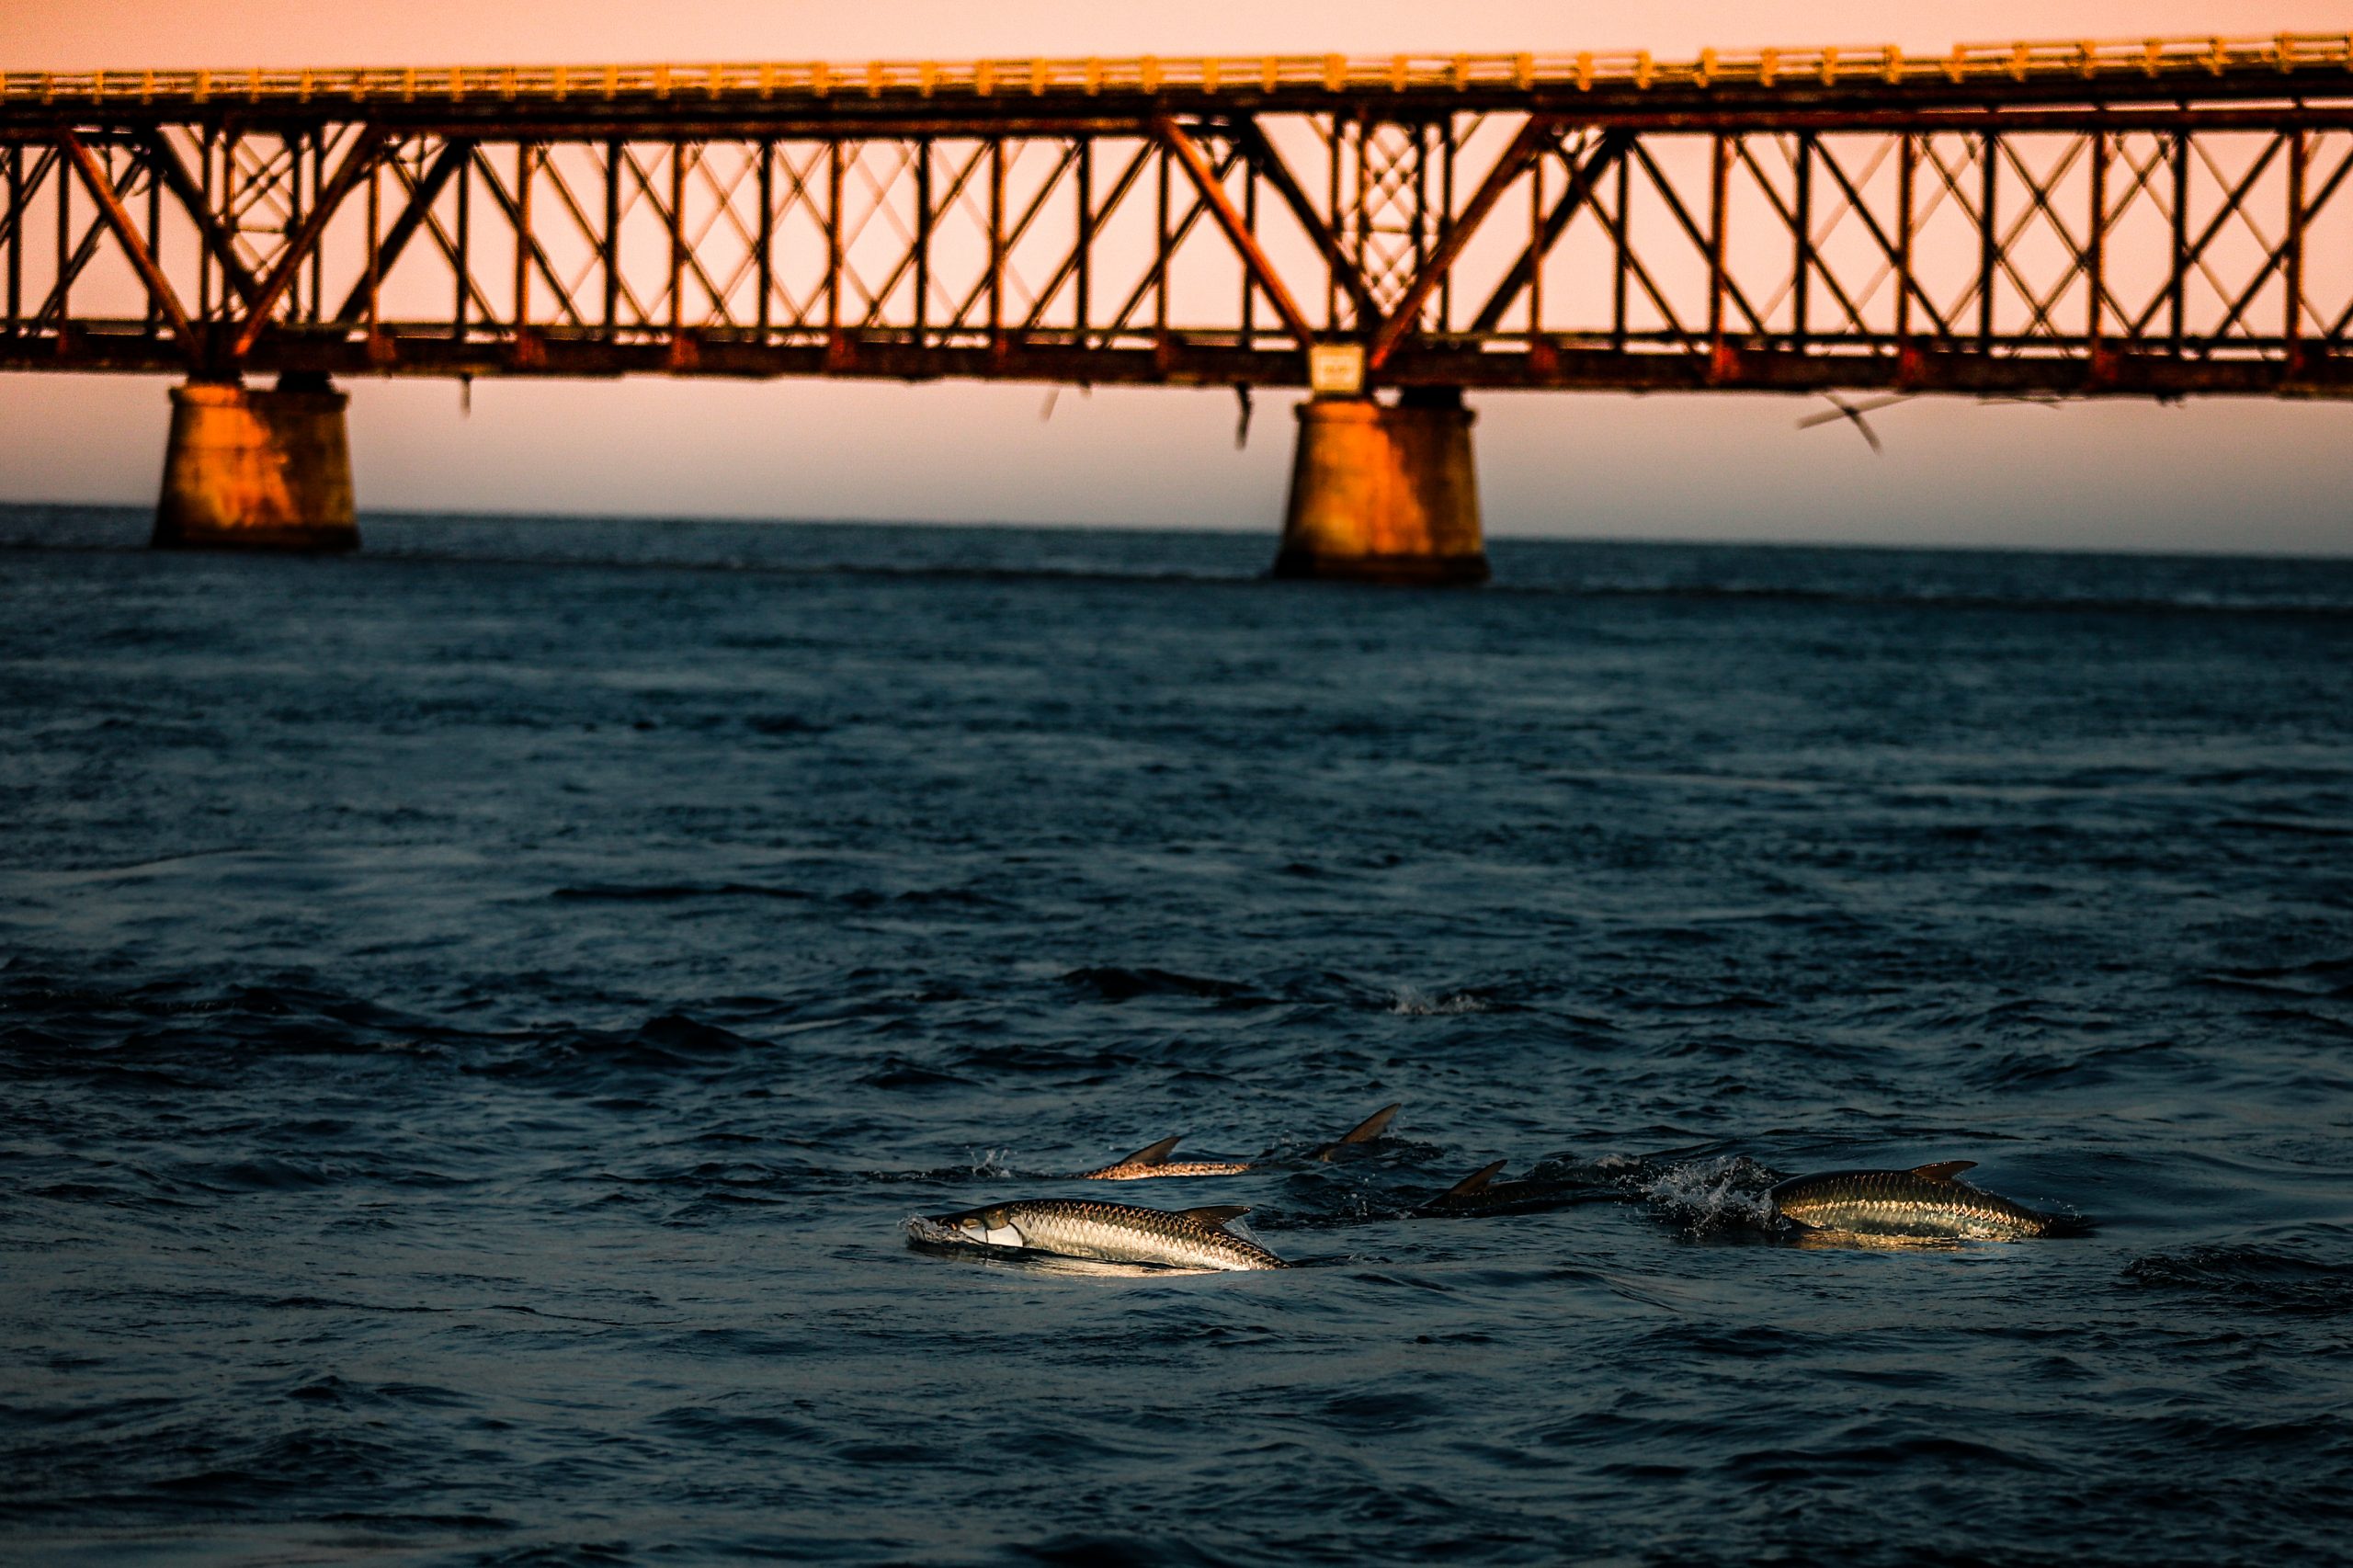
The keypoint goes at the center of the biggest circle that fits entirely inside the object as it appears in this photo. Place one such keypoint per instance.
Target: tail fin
(1364, 1131)
(1473, 1184)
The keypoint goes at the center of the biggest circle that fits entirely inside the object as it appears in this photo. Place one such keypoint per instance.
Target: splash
(1713, 1196)
(1407, 1002)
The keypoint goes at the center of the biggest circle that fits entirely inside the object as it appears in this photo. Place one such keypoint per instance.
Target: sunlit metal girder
(2145, 219)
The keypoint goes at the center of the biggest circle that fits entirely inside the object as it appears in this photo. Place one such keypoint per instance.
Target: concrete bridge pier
(253, 470)
(1383, 493)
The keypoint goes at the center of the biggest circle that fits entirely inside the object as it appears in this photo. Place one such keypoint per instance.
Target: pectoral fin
(1944, 1172)
(1154, 1153)
(1473, 1184)
(1215, 1215)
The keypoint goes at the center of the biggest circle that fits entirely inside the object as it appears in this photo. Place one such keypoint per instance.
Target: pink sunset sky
(2210, 475)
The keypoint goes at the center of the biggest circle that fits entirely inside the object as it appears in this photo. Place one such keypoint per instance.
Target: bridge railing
(2289, 54)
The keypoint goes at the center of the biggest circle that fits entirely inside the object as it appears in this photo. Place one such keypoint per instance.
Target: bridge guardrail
(2288, 55)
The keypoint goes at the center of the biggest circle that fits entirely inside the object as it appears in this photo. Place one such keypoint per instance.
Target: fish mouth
(937, 1234)
(970, 1226)
(932, 1231)
(951, 1232)
(992, 1225)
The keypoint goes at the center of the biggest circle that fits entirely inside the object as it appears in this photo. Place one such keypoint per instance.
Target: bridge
(2152, 219)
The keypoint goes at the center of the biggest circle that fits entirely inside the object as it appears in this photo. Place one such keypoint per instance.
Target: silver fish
(1152, 1160)
(1925, 1201)
(1113, 1233)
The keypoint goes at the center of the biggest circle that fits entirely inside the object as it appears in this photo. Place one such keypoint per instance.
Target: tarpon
(1113, 1233)
(1926, 1201)
(1364, 1131)
(1481, 1193)
(1152, 1160)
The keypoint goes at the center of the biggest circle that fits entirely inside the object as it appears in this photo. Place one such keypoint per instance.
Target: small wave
(2255, 603)
(666, 892)
(1113, 984)
(903, 1073)
(1140, 1552)
(1407, 1002)
(2100, 1065)
(2283, 824)
(2320, 978)
(784, 724)
(992, 1164)
(2264, 1279)
(672, 1043)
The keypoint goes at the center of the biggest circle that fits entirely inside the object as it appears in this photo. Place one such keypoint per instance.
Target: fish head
(990, 1226)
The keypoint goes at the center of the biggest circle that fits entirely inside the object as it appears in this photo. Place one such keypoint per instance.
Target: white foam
(1723, 1193)
(1411, 1003)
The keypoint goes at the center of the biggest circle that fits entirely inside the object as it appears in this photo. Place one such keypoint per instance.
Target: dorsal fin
(1154, 1153)
(1944, 1172)
(1475, 1183)
(1364, 1131)
(1216, 1214)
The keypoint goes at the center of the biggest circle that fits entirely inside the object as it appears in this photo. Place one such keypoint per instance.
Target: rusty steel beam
(413, 217)
(1607, 151)
(300, 243)
(1845, 282)
(1569, 365)
(489, 101)
(2312, 110)
(125, 232)
(1252, 140)
(1526, 146)
(1212, 189)
(165, 162)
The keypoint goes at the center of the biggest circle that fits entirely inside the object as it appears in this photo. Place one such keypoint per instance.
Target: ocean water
(475, 1018)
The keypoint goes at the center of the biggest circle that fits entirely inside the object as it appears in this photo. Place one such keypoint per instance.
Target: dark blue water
(475, 1015)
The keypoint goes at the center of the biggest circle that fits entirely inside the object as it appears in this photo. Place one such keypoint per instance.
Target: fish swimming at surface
(1926, 1201)
(1113, 1233)
(1481, 1193)
(1363, 1132)
(1152, 1160)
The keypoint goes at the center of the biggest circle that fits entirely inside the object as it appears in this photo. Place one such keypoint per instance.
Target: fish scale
(1119, 1233)
(1926, 1201)
(1152, 1160)
(1130, 1170)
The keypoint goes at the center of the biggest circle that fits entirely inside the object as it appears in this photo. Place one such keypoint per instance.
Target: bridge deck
(2151, 218)
(1603, 84)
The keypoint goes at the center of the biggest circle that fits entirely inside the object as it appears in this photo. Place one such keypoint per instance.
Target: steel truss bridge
(2161, 218)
